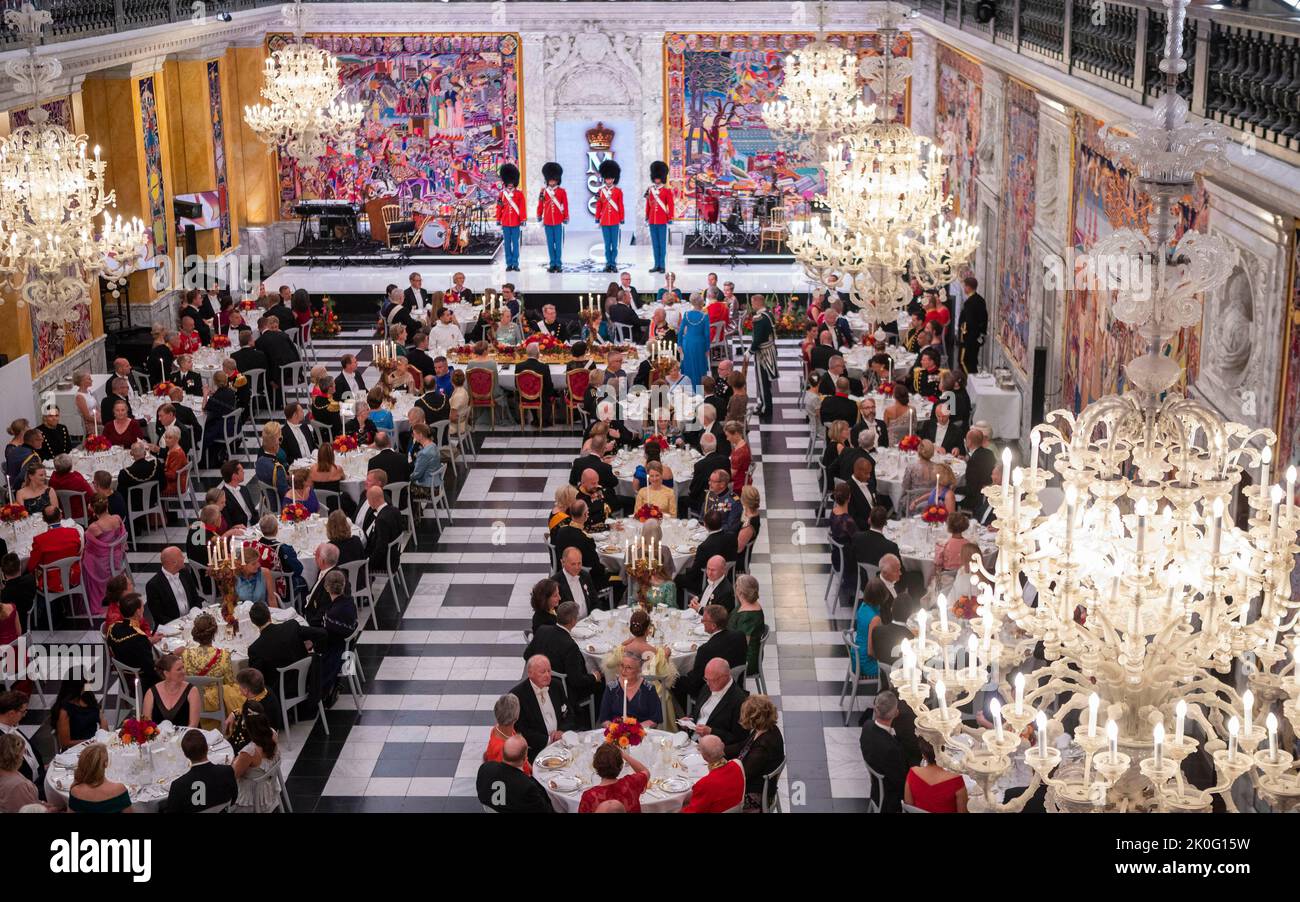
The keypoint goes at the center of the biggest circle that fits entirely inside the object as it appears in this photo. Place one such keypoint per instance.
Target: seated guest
(723, 788)
(427, 461)
(748, 620)
(504, 786)
(505, 711)
(653, 453)
(883, 752)
(240, 509)
(338, 531)
(942, 494)
(870, 544)
(57, 543)
(296, 439)
(213, 785)
(544, 712)
(382, 525)
(508, 331)
(718, 542)
(556, 643)
(980, 464)
(723, 643)
(175, 460)
(205, 660)
(91, 791)
(75, 715)
(173, 590)
(325, 410)
(565, 495)
(608, 763)
(56, 437)
(932, 788)
(349, 383)
(575, 586)
(393, 463)
(301, 492)
(171, 697)
(863, 495)
(545, 598)
(255, 762)
(595, 497)
(761, 751)
(941, 430)
(142, 470)
(573, 534)
(188, 381)
(18, 591)
(34, 494)
(712, 460)
(253, 580)
(271, 465)
(252, 688)
(122, 431)
(360, 426)
(655, 492)
(219, 405)
(66, 479)
(906, 586)
(631, 697)
(595, 460)
(16, 790)
(867, 621)
(379, 414)
(280, 557)
(326, 475)
(119, 389)
(718, 703)
(278, 645)
(716, 588)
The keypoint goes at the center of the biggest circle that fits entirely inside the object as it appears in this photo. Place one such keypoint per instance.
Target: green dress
(751, 624)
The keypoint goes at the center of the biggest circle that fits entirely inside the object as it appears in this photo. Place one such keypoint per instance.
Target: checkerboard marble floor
(433, 671)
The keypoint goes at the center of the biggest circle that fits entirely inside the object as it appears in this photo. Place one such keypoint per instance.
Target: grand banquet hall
(649, 406)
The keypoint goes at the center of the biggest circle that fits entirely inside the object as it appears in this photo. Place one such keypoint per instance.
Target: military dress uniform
(924, 383)
(728, 504)
(597, 508)
(763, 347)
(553, 211)
(610, 212)
(972, 331)
(512, 213)
(659, 212)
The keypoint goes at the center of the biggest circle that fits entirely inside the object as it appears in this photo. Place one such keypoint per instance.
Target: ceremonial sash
(550, 195)
(509, 197)
(609, 199)
(655, 195)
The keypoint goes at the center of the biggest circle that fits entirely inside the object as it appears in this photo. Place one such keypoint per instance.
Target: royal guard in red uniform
(553, 211)
(659, 211)
(511, 213)
(610, 212)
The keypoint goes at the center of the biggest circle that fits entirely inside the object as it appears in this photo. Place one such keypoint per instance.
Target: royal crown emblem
(600, 137)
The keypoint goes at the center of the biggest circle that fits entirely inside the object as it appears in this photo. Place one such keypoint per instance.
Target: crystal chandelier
(306, 113)
(821, 95)
(50, 196)
(1147, 592)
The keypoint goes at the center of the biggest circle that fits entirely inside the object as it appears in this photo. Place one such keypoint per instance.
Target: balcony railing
(1243, 68)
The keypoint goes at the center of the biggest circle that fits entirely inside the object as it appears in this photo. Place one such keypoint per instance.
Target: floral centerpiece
(163, 389)
(12, 513)
(345, 443)
(220, 342)
(95, 443)
(325, 321)
(966, 607)
(660, 440)
(649, 512)
(545, 341)
(935, 513)
(137, 731)
(886, 389)
(294, 513)
(624, 732)
(248, 304)
(909, 442)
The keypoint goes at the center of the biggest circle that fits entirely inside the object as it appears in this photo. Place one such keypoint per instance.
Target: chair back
(438, 432)
(293, 375)
(203, 683)
(142, 498)
(328, 499)
(257, 385)
(738, 675)
(70, 500)
(622, 332)
(876, 792)
(390, 213)
(297, 671)
(397, 494)
(577, 381)
(63, 568)
(324, 432)
(769, 788)
(838, 558)
(230, 424)
(482, 386)
(718, 332)
(529, 386)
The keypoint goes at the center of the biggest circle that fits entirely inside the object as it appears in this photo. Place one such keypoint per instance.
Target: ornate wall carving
(989, 149)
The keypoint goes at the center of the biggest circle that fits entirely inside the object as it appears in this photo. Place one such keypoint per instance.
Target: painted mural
(219, 151)
(716, 85)
(1105, 197)
(957, 126)
(153, 166)
(1015, 263)
(1288, 426)
(442, 113)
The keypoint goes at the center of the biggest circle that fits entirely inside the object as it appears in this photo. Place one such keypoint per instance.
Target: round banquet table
(682, 536)
(684, 405)
(892, 464)
(399, 407)
(207, 362)
(601, 631)
(87, 462)
(675, 765)
(355, 465)
(917, 541)
(147, 784)
(857, 358)
(176, 634)
(680, 460)
(304, 538)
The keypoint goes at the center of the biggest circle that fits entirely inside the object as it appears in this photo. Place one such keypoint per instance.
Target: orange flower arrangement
(98, 443)
(220, 342)
(294, 513)
(966, 607)
(12, 513)
(909, 442)
(163, 389)
(137, 731)
(935, 513)
(624, 732)
(345, 443)
(649, 512)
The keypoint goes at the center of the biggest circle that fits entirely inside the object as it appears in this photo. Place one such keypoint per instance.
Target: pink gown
(99, 560)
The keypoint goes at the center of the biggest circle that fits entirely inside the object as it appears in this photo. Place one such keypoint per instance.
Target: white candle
(1275, 496)
(972, 656)
(1033, 452)
(1271, 723)
(995, 708)
(1071, 498)
(1180, 716)
(625, 698)
(1041, 720)
(1006, 472)
(1248, 704)
(1233, 728)
(1141, 510)
(1265, 460)
(1159, 734)
(921, 618)
(1093, 703)
(1290, 492)
(1217, 532)
(986, 616)
(1112, 733)
(943, 612)
(941, 691)
(911, 415)
(1020, 694)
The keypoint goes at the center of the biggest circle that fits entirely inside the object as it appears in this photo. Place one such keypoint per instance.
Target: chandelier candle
(1158, 734)
(1265, 460)
(1180, 715)
(1041, 722)
(1020, 694)
(921, 618)
(1271, 723)
(1233, 728)
(1248, 708)
(1006, 471)
(1093, 702)
(995, 708)
(941, 691)
(943, 612)
(1112, 733)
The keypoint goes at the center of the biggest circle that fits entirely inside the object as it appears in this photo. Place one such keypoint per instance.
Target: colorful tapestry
(1104, 198)
(442, 113)
(1288, 426)
(153, 166)
(1015, 263)
(715, 136)
(59, 109)
(219, 150)
(957, 126)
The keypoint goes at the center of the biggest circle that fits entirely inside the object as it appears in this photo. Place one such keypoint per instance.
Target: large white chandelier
(821, 94)
(306, 113)
(1148, 592)
(50, 196)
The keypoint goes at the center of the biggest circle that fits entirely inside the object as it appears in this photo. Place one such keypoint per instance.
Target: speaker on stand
(1038, 387)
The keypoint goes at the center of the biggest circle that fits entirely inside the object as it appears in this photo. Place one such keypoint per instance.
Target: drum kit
(730, 216)
(447, 227)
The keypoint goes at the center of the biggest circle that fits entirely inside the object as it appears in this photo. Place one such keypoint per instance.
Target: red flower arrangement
(248, 304)
(345, 443)
(220, 342)
(294, 513)
(163, 389)
(933, 399)
(137, 731)
(12, 513)
(544, 341)
(98, 443)
(887, 389)
(660, 440)
(935, 513)
(966, 607)
(624, 732)
(909, 442)
(649, 512)
(325, 321)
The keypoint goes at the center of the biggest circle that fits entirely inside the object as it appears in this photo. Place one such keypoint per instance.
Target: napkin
(69, 758)
(212, 736)
(572, 738)
(103, 736)
(681, 740)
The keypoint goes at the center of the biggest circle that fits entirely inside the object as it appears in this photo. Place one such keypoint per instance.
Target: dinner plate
(553, 760)
(693, 759)
(599, 648)
(684, 647)
(564, 783)
(611, 549)
(684, 549)
(675, 784)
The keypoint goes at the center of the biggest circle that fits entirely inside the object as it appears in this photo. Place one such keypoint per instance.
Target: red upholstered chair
(528, 386)
(576, 381)
(482, 389)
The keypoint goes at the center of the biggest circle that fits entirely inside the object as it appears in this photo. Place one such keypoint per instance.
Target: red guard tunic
(508, 215)
(609, 206)
(654, 213)
(553, 211)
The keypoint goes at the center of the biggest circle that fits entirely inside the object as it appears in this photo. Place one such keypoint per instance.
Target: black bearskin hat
(552, 172)
(659, 171)
(610, 170)
(509, 173)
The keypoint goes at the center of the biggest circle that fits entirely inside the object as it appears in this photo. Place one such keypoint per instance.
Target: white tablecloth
(682, 403)
(304, 538)
(857, 359)
(401, 406)
(682, 536)
(145, 407)
(667, 758)
(176, 635)
(892, 464)
(600, 632)
(112, 460)
(680, 460)
(917, 541)
(999, 407)
(207, 362)
(147, 784)
(355, 465)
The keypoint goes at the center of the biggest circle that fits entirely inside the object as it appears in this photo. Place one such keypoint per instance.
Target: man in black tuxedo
(595, 460)
(350, 380)
(557, 645)
(835, 371)
(394, 464)
(575, 585)
(118, 389)
(190, 382)
(280, 351)
(533, 364)
(819, 358)
(941, 430)
(883, 752)
(573, 535)
(190, 308)
(870, 544)
(204, 785)
(417, 353)
(973, 325)
(907, 586)
(317, 599)
(180, 416)
(142, 469)
(729, 645)
(416, 301)
(382, 525)
(544, 712)
(296, 438)
(712, 460)
(838, 406)
(717, 704)
(719, 542)
(863, 497)
(715, 587)
(173, 590)
(980, 464)
(248, 357)
(861, 446)
(505, 788)
(281, 309)
(240, 509)
(282, 644)
(621, 312)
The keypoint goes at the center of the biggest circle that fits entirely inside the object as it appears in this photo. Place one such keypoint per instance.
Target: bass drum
(709, 207)
(434, 234)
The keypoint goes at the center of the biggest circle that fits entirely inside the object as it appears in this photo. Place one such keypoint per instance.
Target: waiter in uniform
(659, 212)
(974, 326)
(553, 211)
(763, 347)
(511, 213)
(609, 211)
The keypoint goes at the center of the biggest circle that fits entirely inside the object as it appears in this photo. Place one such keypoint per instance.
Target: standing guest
(723, 788)
(256, 762)
(171, 698)
(740, 454)
(505, 787)
(883, 752)
(760, 752)
(693, 338)
(340, 622)
(75, 714)
(972, 327)
(748, 620)
(213, 785)
(505, 711)
(103, 554)
(86, 404)
(92, 792)
(608, 763)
